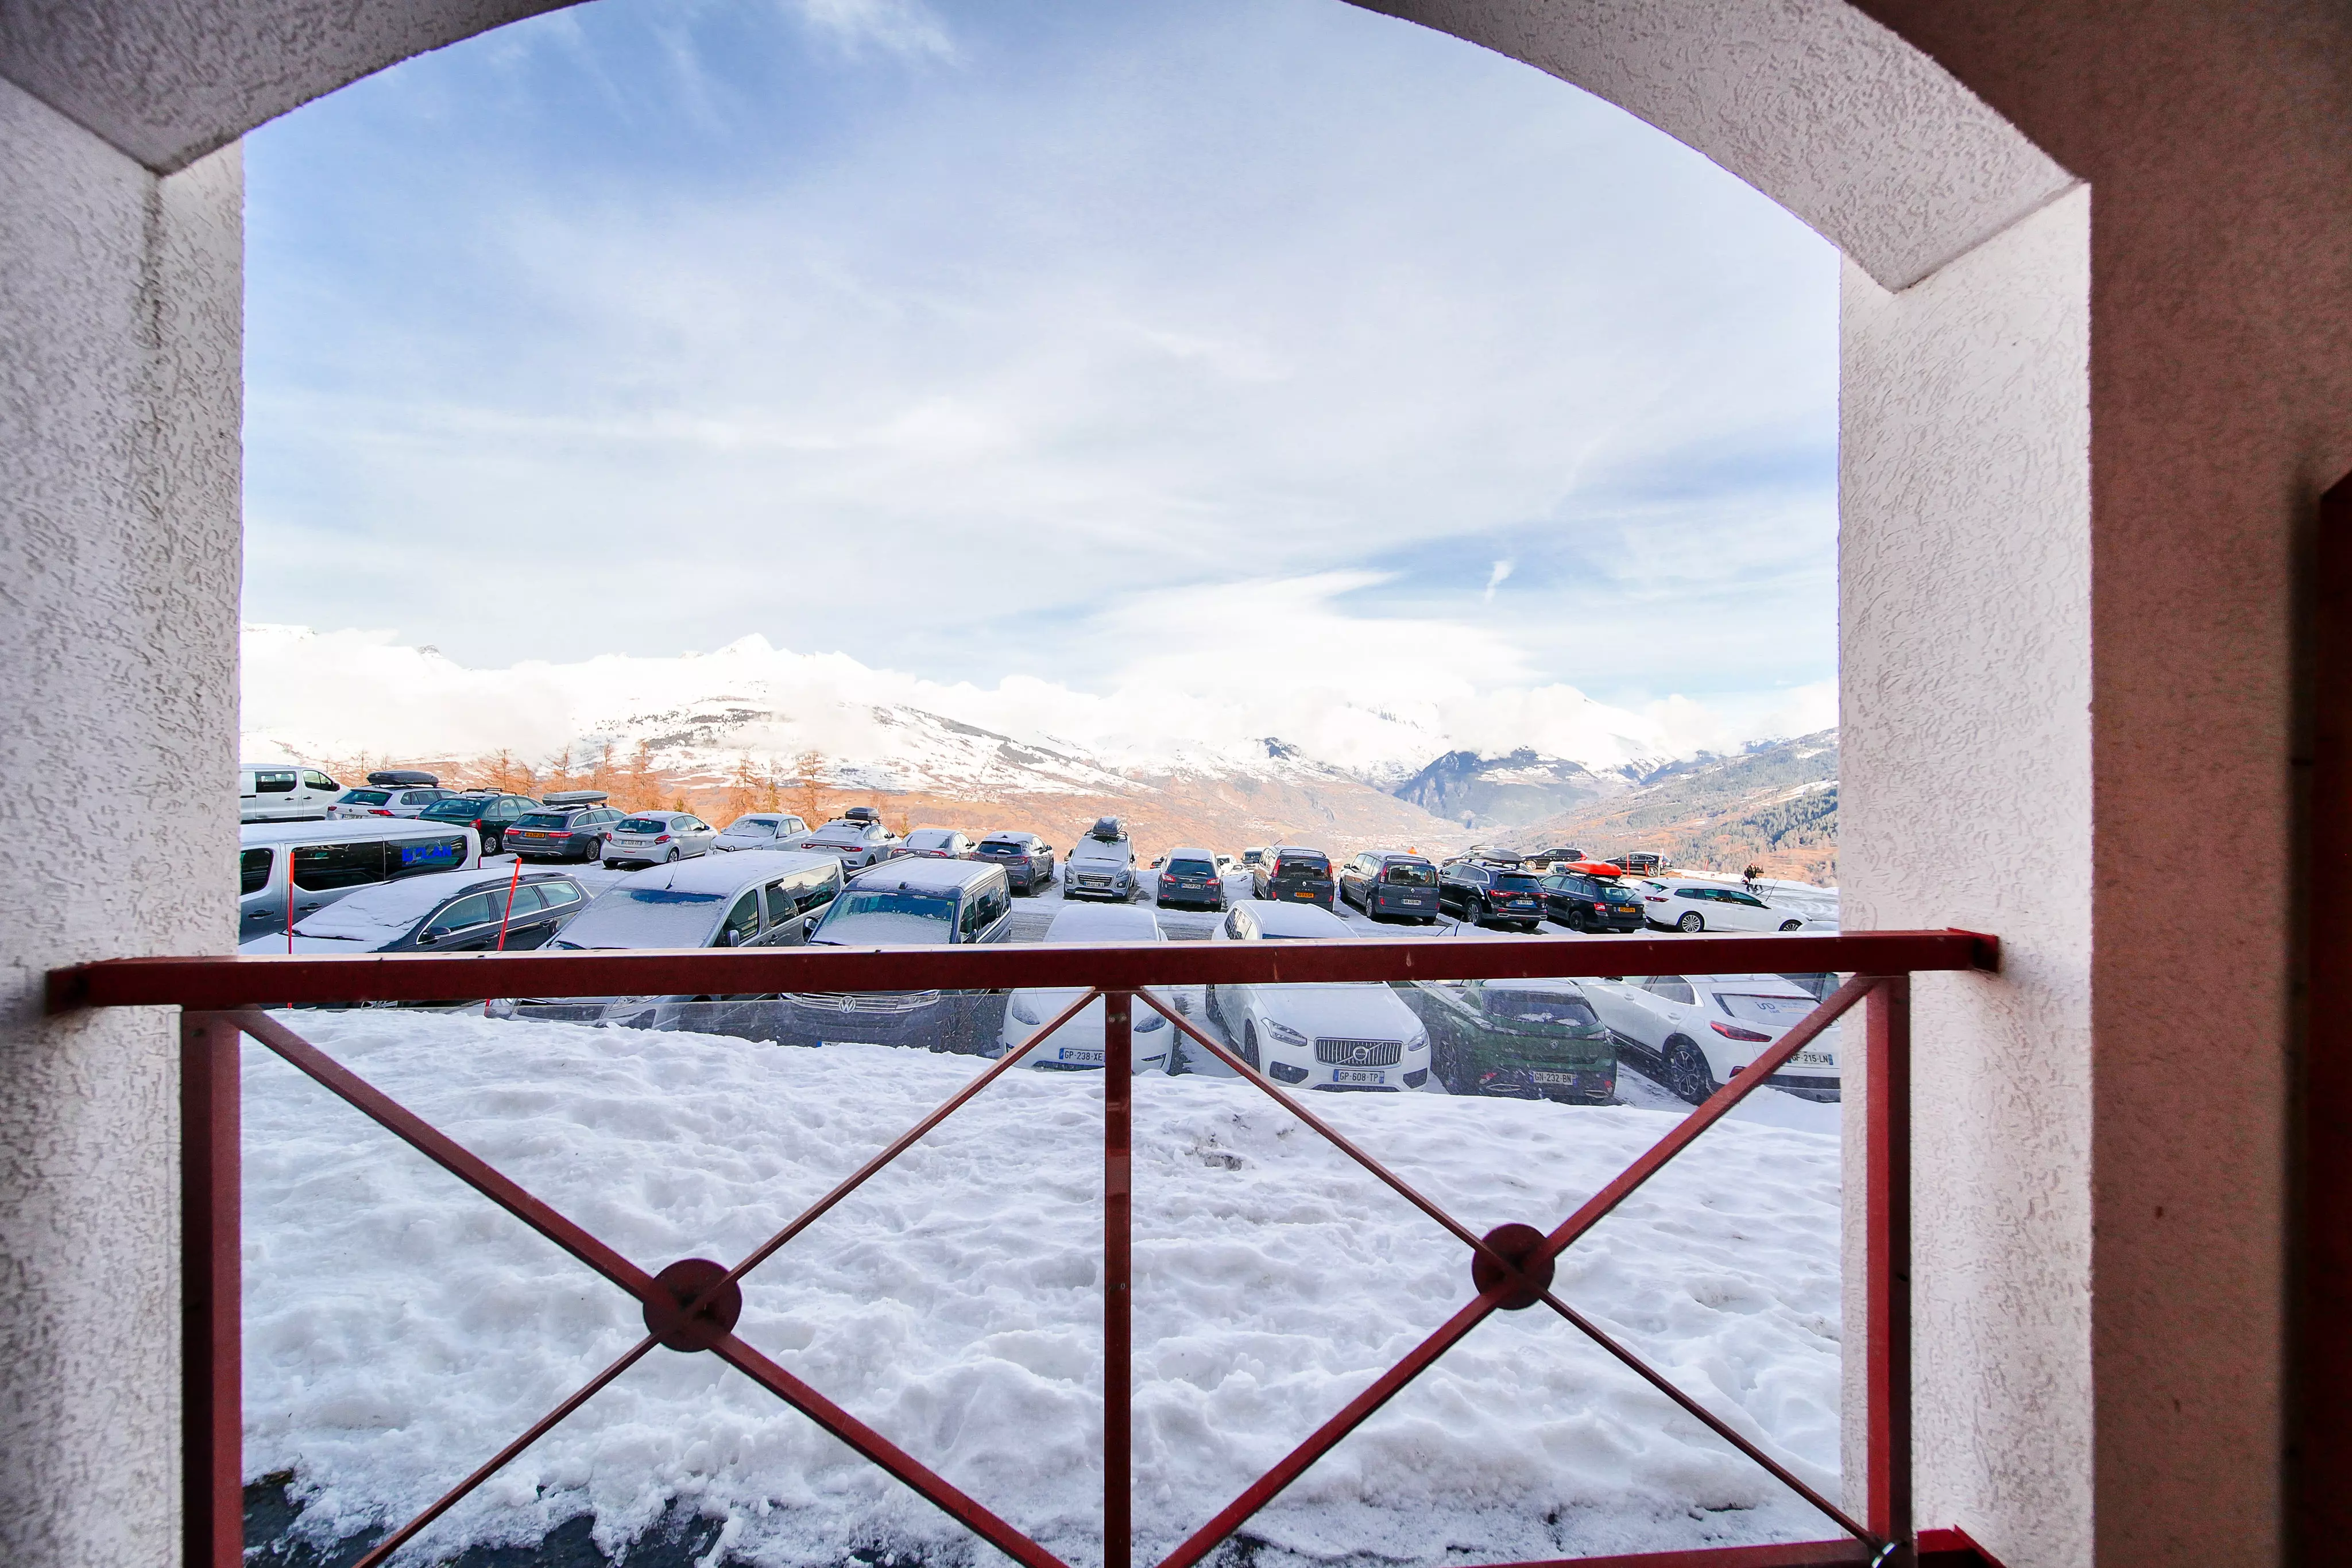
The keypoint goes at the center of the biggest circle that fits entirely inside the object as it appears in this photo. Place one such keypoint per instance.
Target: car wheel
(1692, 922)
(1249, 1046)
(1469, 914)
(671, 857)
(492, 844)
(1687, 1072)
(1792, 926)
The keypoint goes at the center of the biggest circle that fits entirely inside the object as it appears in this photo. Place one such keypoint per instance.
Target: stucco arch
(1967, 613)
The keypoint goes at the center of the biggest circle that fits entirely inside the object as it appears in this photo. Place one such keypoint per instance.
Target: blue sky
(1033, 338)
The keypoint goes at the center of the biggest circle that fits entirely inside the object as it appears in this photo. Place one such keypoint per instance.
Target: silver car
(858, 842)
(377, 801)
(760, 830)
(656, 837)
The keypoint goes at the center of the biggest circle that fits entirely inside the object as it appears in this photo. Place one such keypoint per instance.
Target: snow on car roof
(724, 873)
(1103, 923)
(927, 875)
(1192, 852)
(923, 838)
(251, 834)
(398, 905)
(1297, 919)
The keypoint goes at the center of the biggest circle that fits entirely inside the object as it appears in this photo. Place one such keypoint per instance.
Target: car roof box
(861, 814)
(1109, 829)
(404, 777)
(574, 797)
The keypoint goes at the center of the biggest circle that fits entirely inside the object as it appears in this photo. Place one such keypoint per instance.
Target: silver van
(288, 870)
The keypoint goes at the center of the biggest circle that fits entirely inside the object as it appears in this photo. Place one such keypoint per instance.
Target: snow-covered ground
(399, 1329)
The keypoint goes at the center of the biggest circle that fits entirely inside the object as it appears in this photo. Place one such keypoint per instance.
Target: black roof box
(861, 814)
(1109, 829)
(400, 777)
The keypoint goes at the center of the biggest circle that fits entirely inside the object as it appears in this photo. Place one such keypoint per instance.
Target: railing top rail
(215, 983)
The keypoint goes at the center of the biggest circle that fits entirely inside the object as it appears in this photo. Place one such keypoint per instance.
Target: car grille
(1358, 1052)
(863, 1001)
(1094, 881)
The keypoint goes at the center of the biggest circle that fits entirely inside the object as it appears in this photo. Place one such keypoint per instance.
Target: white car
(1079, 1042)
(283, 792)
(938, 843)
(857, 842)
(759, 830)
(1692, 1032)
(1684, 905)
(377, 801)
(657, 838)
(1352, 1035)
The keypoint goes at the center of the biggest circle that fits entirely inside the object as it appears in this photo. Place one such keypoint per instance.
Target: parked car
(1292, 873)
(488, 812)
(657, 838)
(568, 829)
(439, 911)
(1102, 864)
(1352, 1035)
(1190, 877)
(1027, 860)
(382, 801)
(1692, 1032)
(1079, 1042)
(1384, 883)
(1227, 864)
(758, 830)
(1531, 1040)
(858, 841)
(1639, 862)
(1582, 901)
(907, 902)
(938, 844)
(283, 792)
(1481, 893)
(1684, 905)
(1252, 855)
(290, 870)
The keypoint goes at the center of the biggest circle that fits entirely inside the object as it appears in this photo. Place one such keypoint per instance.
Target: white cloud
(894, 27)
(1497, 576)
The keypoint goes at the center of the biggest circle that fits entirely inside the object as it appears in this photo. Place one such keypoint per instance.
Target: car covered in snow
(1293, 873)
(907, 903)
(441, 911)
(1354, 1035)
(1027, 860)
(1692, 1032)
(1682, 903)
(1102, 864)
(936, 843)
(1386, 885)
(1190, 877)
(856, 838)
(1079, 1042)
(1529, 1039)
(289, 871)
(657, 838)
(758, 830)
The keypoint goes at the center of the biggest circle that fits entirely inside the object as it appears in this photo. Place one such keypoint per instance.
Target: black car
(1191, 876)
(1027, 860)
(562, 832)
(1583, 903)
(1531, 1040)
(1384, 883)
(1479, 895)
(488, 815)
(1289, 874)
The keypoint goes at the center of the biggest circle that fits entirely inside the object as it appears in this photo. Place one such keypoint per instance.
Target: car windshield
(1780, 1011)
(457, 810)
(1409, 873)
(1617, 890)
(751, 828)
(1191, 868)
(1517, 882)
(366, 796)
(1302, 865)
(1117, 852)
(541, 820)
(644, 825)
(643, 918)
(931, 838)
(1003, 847)
(893, 917)
(1540, 1010)
(839, 833)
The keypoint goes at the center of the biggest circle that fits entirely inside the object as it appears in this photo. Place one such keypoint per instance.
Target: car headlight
(1285, 1033)
(1151, 1020)
(1418, 1042)
(1023, 1011)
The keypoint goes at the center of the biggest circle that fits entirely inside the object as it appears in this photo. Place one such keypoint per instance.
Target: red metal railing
(692, 1304)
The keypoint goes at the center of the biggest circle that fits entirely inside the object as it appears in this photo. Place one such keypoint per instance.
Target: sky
(1237, 346)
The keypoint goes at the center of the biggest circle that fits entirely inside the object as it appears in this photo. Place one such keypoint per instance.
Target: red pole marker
(507, 913)
(290, 903)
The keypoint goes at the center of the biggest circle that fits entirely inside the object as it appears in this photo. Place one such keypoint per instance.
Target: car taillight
(1732, 1032)
(661, 839)
(378, 812)
(1601, 908)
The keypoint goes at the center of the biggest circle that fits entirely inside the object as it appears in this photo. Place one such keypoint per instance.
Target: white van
(283, 792)
(312, 864)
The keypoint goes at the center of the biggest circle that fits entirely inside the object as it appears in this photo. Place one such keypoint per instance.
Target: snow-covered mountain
(1511, 790)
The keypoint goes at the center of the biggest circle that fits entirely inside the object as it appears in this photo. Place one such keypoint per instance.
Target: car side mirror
(432, 934)
(731, 937)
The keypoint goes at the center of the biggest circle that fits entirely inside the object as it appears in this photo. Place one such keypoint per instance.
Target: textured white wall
(1965, 615)
(120, 332)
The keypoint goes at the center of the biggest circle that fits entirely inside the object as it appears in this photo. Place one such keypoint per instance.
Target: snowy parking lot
(399, 1329)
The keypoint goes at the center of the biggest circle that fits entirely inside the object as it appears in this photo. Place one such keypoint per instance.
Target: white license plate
(1358, 1075)
(1813, 1059)
(1084, 1058)
(1553, 1077)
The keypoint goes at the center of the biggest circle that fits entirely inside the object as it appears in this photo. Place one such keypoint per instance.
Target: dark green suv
(1529, 1039)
